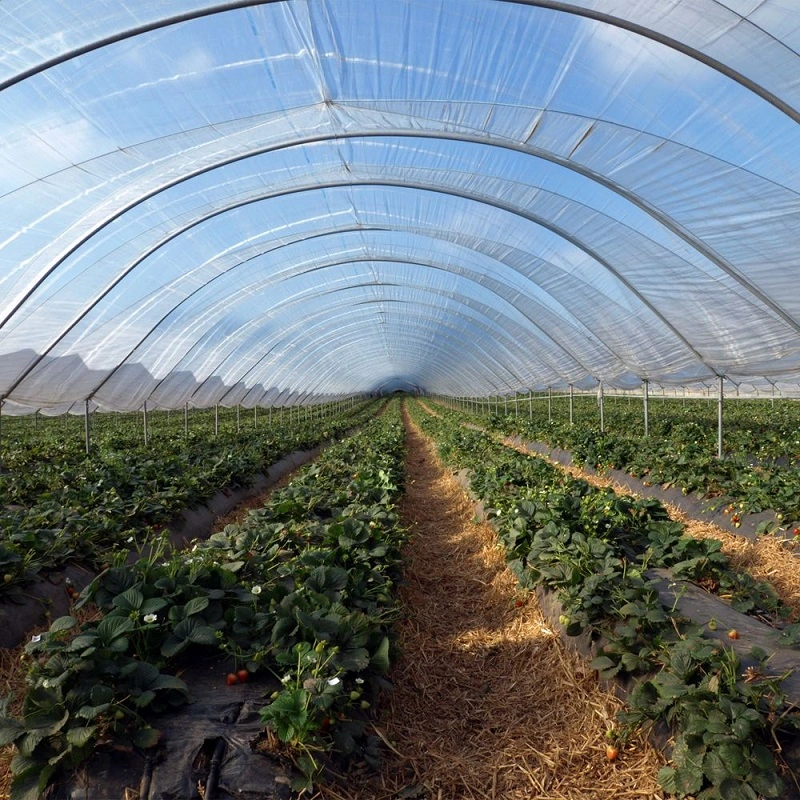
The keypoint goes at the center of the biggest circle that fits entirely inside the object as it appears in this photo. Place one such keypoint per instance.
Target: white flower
(286, 678)
(150, 617)
(36, 638)
(256, 589)
(359, 680)
(129, 539)
(334, 681)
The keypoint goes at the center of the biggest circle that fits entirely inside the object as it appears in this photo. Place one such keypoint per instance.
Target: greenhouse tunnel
(235, 203)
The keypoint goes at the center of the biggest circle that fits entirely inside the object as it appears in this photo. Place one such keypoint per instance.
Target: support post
(255, 417)
(238, 422)
(86, 425)
(186, 419)
(646, 401)
(549, 403)
(720, 400)
(600, 402)
(530, 404)
(571, 404)
(144, 422)
(216, 419)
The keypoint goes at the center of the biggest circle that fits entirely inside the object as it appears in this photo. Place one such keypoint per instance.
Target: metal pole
(86, 424)
(186, 418)
(216, 419)
(600, 399)
(549, 404)
(530, 404)
(144, 415)
(646, 397)
(238, 425)
(505, 405)
(255, 416)
(571, 404)
(719, 418)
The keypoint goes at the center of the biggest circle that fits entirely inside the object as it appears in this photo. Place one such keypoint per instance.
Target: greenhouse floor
(487, 703)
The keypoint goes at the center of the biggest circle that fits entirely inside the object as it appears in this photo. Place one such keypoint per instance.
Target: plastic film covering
(267, 203)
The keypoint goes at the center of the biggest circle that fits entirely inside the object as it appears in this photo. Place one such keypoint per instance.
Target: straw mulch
(487, 703)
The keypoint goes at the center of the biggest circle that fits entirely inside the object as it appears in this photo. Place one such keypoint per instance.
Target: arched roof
(249, 202)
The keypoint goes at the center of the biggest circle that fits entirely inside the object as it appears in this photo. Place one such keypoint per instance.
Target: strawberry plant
(304, 583)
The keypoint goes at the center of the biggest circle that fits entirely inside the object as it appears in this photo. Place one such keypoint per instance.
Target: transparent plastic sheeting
(267, 203)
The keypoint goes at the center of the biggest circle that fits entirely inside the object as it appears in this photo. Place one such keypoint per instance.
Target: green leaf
(196, 605)
(355, 660)
(29, 785)
(714, 768)
(768, 784)
(153, 605)
(164, 681)
(101, 694)
(63, 624)
(10, 729)
(734, 759)
(146, 737)
(90, 712)
(732, 789)
(78, 737)
(144, 699)
(129, 600)
(380, 658)
(113, 627)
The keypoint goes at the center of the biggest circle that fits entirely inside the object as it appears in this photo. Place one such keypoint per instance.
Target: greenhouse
(286, 286)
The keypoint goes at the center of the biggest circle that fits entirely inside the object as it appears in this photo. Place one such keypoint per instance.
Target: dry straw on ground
(487, 704)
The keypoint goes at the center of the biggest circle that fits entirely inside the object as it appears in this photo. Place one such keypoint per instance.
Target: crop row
(301, 589)
(593, 549)
(761, 465)
(60, 504)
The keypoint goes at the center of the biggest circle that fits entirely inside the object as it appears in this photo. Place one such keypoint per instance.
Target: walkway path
(487, 704)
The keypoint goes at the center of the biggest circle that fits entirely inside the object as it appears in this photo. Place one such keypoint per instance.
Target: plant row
(60, 504)
(301, 589)
(593, 549)
(760, 470)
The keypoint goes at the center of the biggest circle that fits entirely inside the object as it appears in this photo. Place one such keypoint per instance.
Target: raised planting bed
(50, 594)
(297, 599)
(60, 506)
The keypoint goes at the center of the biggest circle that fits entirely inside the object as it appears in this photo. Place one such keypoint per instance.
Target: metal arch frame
(454, 341)
(476, 309)
(554, 5)
(491, 326)
(325, 262)
(471, 196)
(454, 348)
(658, 216)
(200, 220)
(568, 317)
